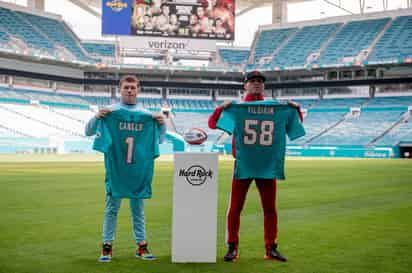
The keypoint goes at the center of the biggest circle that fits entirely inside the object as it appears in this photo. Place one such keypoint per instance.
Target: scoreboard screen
(193, 19)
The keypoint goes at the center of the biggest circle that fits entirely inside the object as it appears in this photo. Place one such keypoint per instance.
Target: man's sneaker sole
(266, 257)
(232, 260)
(146, 258)
(105, 259)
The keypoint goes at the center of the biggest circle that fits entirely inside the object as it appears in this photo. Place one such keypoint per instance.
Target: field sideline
(343, 216)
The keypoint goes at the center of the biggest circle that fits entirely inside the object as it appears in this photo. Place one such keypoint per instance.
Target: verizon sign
(162, 43)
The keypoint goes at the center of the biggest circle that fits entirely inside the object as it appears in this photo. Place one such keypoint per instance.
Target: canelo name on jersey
(260, 130)
(130, 143)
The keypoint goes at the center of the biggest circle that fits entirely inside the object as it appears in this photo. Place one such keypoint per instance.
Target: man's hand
(293, 104)
(159, 117)
(102, 113)
(225, 104)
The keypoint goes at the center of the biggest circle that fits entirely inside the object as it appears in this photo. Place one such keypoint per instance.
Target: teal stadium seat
(316, 122)
(268, 41)
(396, 43)
(100, 50)
(360, 130)
(57, 32)
(234, 56)
(308, 40)
(15, 24)
(354, 37)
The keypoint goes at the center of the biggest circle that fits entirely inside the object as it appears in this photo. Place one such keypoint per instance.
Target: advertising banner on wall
(167, 43)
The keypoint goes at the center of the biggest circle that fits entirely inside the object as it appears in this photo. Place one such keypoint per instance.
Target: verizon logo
(167, 45)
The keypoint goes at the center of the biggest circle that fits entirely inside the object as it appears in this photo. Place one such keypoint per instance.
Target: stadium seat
(396, 43)
(100, 50)
(267, 42)
(308, 40)
(360, 130)
(348, 43)
(16, 24)
(233, 56)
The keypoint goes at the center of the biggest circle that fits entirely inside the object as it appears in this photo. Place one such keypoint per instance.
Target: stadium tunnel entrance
(405, 150)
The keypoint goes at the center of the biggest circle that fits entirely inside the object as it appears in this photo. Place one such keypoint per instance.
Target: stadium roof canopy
(242, 5)
(279, 7)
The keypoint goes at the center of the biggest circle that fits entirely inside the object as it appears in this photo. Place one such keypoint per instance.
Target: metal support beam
(279, 11)
(251, 7)
(362, 6)
(339, 6)
(85, 7)
(36, 4)
(385, 4)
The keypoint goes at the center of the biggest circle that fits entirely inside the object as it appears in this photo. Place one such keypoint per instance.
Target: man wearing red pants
(254, 91)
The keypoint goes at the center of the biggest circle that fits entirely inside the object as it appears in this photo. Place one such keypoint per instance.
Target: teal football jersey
(260, 130)
(130, 143)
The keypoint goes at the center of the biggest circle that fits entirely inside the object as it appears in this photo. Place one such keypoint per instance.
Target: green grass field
(351, 216)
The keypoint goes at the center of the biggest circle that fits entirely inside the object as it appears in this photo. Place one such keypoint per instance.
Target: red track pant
(267, 191)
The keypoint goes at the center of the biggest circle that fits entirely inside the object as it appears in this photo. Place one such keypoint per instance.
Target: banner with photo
(194, 19)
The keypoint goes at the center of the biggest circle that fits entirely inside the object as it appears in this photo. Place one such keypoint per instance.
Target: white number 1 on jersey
(130, 148)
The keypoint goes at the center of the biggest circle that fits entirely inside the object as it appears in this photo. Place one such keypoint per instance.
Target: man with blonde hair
(129, 137)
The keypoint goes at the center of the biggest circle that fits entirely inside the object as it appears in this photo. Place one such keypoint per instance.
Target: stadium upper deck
(342, 41)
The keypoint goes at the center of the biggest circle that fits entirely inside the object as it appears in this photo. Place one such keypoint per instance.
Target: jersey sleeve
(103, 140)
(214, 117)
(161, 130)
(158, 137)
(91, 126)
(294, 127)
(226, 121)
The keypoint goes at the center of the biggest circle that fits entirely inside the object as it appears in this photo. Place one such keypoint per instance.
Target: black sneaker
(272, 253)
(232, 253)
(106, 255)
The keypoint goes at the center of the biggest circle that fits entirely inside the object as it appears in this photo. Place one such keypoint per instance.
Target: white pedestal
(194, 227)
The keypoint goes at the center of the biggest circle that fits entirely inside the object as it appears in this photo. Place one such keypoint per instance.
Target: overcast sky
(87, 26)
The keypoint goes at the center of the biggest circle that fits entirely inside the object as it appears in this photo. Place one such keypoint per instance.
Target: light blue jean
(110, 218)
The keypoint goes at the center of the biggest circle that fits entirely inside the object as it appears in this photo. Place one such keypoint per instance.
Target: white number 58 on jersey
(266, 132)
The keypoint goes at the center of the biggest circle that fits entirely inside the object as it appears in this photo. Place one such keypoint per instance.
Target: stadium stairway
(400, 133)
(58, 33)
(327, 129)
(252, 52)
(403, 119)
(18, 27)
(14, 131)
(67, 116)
(395, 44)
(360, 127)
(351, 40)
(282, 45)
(83, 55)
(25, 115)
(9, 42)
(267, 43)
(306, 42)
(23, 18)
(376, 40)
(313, 58)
